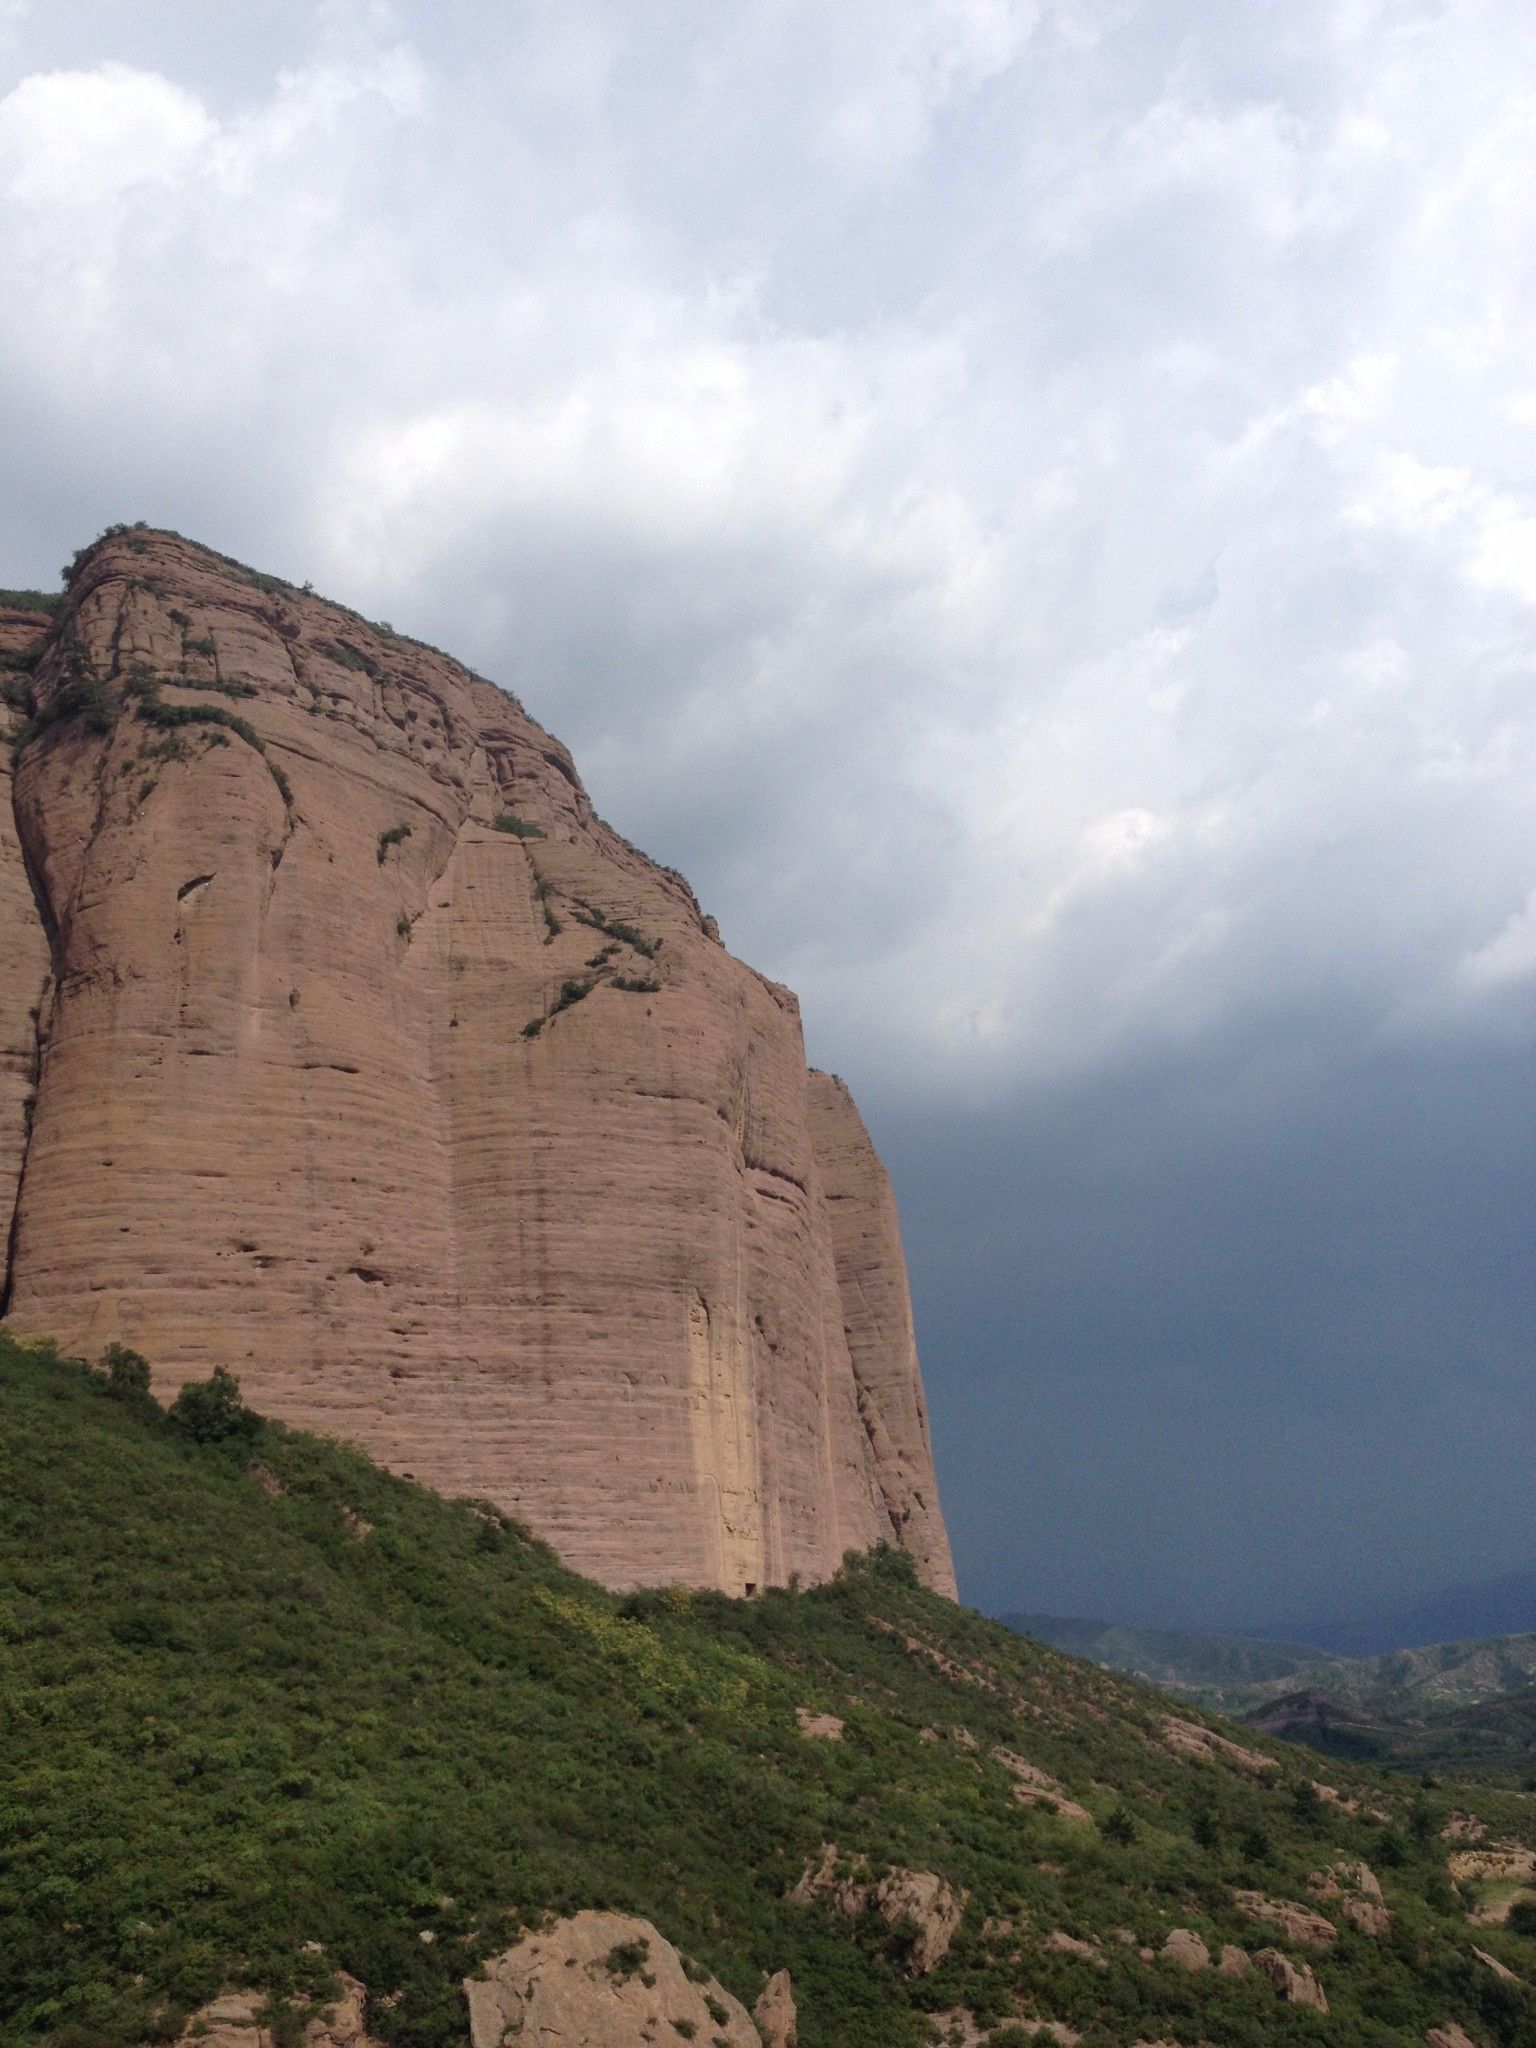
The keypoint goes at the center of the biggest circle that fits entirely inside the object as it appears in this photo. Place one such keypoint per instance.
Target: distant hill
(1433, 1704)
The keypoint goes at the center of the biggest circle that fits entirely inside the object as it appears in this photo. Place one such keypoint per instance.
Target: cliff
(367, 1061)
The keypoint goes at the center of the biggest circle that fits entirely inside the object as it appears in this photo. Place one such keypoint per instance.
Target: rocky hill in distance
(1459, 1706)
(343, 1045)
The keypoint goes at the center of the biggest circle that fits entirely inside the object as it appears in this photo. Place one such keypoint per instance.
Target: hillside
(344, 1045)
(272, 1712)
(1243, 1674)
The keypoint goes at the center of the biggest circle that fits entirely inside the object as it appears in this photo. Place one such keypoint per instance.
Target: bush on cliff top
(234, 1725)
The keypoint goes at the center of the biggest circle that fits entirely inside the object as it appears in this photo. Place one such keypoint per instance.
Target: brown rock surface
(1185, 1948)
(1358, 1890)
(1293, 1982)
(819, 1727)
(233, 2020)
(1449, 2036)
(1034, 1787)
(774, 2012)
(1235, 1962)
(1188, 1739)
(877, 1322)
(23, 985)
(916, 1899)
(1296, 1923)
(566, 1984)
(342, 1086)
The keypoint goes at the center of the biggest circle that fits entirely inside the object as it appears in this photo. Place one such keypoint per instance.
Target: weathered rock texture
(235, 2021)
(476, 1148)
(600, 1980)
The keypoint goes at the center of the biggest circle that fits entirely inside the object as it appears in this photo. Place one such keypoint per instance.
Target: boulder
(1292, 1982)
(233, 2020)
(1358, 1890)
(1297, 1923)
(1185, 1948)
(818, 1727)
(774, 2012)
(599, 1980)
(915, 1899)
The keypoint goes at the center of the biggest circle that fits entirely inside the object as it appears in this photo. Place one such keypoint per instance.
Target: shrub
(127, 1372)
(87, 699)
(1121, 1826)
(393, 837)
(1522, 1918)
(508, 821)
(211, 1412)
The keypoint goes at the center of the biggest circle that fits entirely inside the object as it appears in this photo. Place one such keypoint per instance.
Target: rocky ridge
(345, 1046)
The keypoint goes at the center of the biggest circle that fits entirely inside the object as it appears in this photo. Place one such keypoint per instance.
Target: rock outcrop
(371, 1064)
(1293, 1983)
(236, 2020)
(916, 1902)
(600, 1980)
(774, 2012)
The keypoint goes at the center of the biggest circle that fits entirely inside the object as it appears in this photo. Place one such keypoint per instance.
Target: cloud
(1114, 601)
(1030, 506)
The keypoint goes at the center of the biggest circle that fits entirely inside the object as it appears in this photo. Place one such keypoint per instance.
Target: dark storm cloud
(1032, 507)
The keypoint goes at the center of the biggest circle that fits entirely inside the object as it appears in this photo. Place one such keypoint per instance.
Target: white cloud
(1033, 509)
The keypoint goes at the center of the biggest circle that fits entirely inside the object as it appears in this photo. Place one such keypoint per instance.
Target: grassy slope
(232, 1727)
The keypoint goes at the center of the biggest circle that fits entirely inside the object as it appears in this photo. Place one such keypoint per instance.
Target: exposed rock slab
(1296, 1922)
(375, 1067)
(599, 1980)
(1294, 1983)
(774, 2012)
(234, 2020)
(919, 1901)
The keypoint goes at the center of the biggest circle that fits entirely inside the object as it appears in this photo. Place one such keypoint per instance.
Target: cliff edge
(344, 1045)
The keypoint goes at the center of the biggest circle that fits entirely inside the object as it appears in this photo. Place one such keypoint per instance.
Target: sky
(1031, 504)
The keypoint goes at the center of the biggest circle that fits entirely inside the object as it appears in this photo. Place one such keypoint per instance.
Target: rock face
(1293, 1983)
(774, 2012)
(600, 1980)
(919, 1901)
(235, 2021)
(372, 1065)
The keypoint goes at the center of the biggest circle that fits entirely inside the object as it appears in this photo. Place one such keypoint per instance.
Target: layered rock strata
(370, 1063)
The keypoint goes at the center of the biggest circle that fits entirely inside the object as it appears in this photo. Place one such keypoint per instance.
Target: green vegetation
(508, 821)
(233, 1728)
(1450, 1706)
(395, 836)
(154, 710)
(85, 700)
(616, 928)
(352, 657)
(31, 600)
(636, 984)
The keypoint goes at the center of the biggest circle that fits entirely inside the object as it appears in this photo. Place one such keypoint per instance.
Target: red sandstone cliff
(369, 1062)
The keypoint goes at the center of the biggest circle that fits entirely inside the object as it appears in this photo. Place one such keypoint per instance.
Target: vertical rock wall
(375, 1067)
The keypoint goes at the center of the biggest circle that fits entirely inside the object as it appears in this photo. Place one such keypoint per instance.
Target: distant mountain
(1240, 1668)
(1470, 1702)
